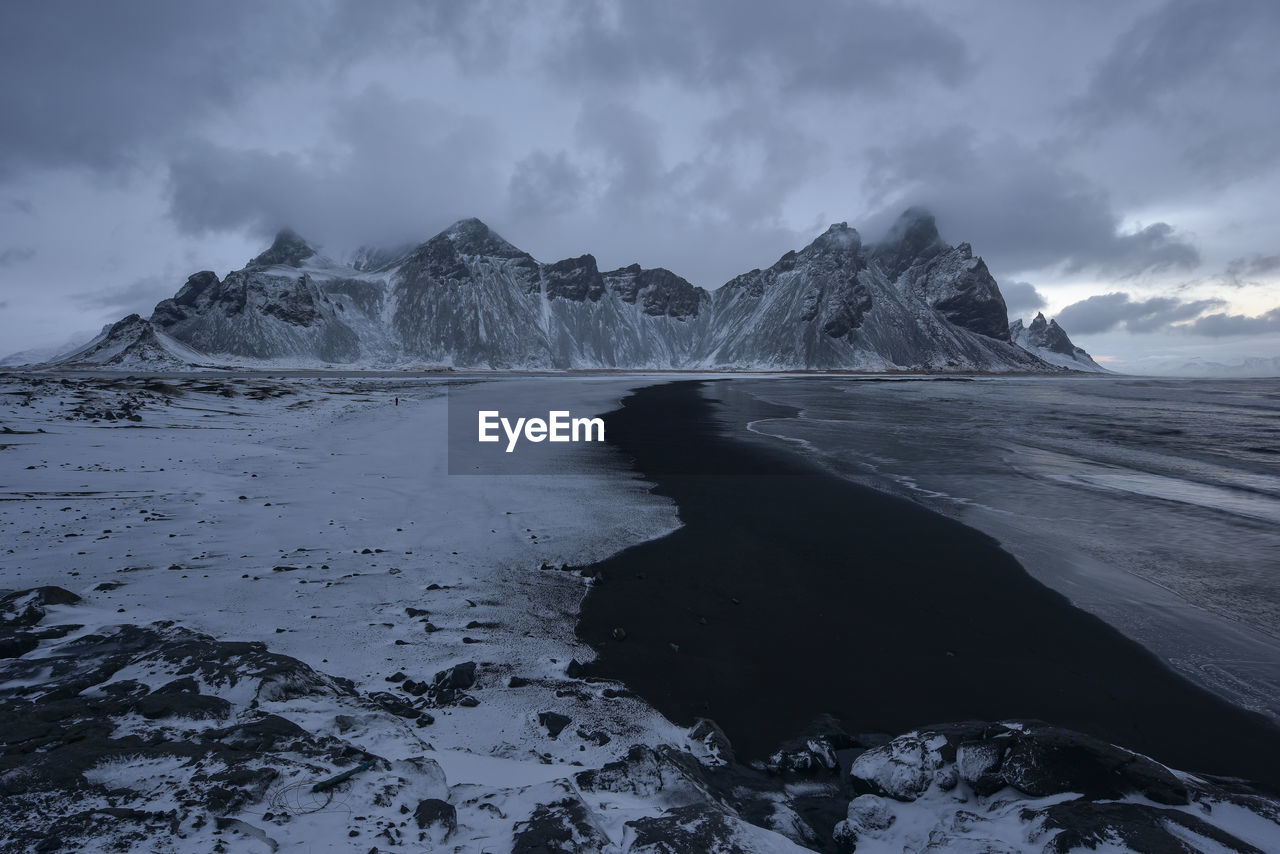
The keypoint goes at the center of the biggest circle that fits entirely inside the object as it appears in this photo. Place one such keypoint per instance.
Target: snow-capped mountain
(910, 302)
(468, 298)
(1049, 341)
(1251, 367)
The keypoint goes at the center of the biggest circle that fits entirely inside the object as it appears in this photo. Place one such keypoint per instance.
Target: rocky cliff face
(1050, 342)
(469, 298)
(910, 302)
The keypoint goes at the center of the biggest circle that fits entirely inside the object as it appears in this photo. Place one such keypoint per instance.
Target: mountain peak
(917, 219)
(288, 249)
(913, 237)
(838, 237)
(470, 236)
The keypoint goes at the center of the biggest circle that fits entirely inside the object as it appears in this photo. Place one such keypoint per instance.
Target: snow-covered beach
(232, 588)
(315, 516)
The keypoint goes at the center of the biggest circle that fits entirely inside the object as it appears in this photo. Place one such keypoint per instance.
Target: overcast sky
(1117, 164)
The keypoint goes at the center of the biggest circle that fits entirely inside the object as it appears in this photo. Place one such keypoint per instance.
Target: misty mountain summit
(287, 250)
(469, 298)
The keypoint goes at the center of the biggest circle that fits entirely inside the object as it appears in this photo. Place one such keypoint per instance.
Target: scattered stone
(598, 737)
(460, 676)
(554, 722)
(437, 817)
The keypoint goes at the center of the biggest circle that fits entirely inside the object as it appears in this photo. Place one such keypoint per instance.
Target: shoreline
(790, 592)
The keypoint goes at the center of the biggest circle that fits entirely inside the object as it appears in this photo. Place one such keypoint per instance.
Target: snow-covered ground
(311, 515)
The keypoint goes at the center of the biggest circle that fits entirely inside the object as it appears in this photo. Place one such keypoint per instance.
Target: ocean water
(1153, 503)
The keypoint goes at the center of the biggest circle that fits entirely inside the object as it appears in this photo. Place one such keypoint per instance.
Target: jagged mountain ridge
(469, 298)
(1050, 342)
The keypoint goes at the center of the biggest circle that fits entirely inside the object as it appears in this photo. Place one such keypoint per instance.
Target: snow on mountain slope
(1049, 341)
(135, 343)
(469, 298)
(912, 302)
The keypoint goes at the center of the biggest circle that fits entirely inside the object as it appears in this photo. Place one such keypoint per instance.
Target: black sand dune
(790, 592)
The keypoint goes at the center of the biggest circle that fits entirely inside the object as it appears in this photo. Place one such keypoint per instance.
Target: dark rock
(27, 607)
(599, 737)
(575, 279)
(460, 676)
(663, 773)
(565, 825)
(268, 733)
(182, 705)
(417, 689)
(1047, 760)
(713, 740)
(517, 682)
(1138, 827)
(814, 753)
(393, 704)
(697, 827)
(659, 291)
(978, 763)
(434, 813)
(17, 644)
(554, 722)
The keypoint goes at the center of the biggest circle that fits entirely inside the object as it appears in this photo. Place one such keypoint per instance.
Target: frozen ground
(253, 584)
(1152, 503)
(311, 514)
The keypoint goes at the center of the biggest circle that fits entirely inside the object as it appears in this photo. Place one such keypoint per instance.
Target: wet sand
(790, 592)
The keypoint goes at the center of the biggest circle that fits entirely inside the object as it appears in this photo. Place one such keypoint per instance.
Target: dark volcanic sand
(865, 606)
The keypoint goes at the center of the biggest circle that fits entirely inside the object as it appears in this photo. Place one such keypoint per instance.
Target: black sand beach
(789, 593)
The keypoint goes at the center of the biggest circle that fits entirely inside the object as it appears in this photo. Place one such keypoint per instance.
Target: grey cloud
(16, 255)
(1155, 248)
(398, 170)
(139, 296)
(1179, 44)
(104, 86)
(1022, 298)
(707, 213)
(1105, 312)
(1242, 270)
(545, 184)
(1224, 325)
(740, 174)
(1203, 76)
(1018, 205)
(23, 206)
(395, 170)
(826, 47)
